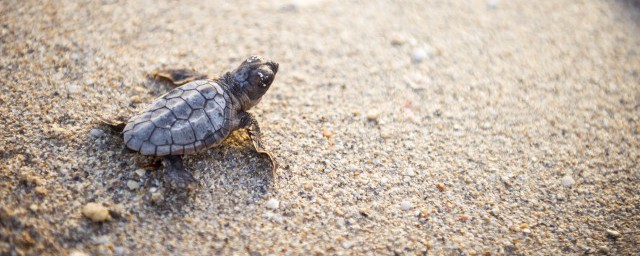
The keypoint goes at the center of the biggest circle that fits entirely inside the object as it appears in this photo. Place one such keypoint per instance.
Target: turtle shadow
(629, 10)
(231, 171)
(237, 162)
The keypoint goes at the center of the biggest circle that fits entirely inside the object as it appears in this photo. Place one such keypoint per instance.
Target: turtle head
(254, 77)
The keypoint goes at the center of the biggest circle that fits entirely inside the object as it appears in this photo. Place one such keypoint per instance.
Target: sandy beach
(499, 127)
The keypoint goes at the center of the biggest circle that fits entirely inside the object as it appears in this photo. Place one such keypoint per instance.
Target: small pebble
(308, 186)
(133, 185)
(78, 253)
(418, 55)
(372, 115)
(422, 53)
(409, 172)
(140, 172)
(613, 233)
(603, 249)
(423, 213)
(273, 204)
(40, 190)
(568, 181)
(96, 133)
(136, 99)
(410, 115)
(347, 244)
(406, 205)
(72, 88)
(157, 197)
(492, 4)
(397, 40)
(96, 212)
(100, 239)
(118, 250)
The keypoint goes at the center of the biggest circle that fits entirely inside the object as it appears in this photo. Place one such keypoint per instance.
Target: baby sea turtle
(200, 114)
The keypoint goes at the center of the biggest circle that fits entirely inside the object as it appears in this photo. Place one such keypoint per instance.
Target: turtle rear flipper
(116, 123)
(175, 176)
(178, 76)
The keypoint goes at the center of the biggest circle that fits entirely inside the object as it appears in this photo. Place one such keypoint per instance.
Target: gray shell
(185, 120)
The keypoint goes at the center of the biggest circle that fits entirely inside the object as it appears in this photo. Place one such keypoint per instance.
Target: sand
(400, 127)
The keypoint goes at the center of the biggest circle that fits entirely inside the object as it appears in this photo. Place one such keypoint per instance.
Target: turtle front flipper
(250, 123)
(178, 76)
(175, 176)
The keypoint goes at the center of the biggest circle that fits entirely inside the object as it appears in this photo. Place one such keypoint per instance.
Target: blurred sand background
(400, 127)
